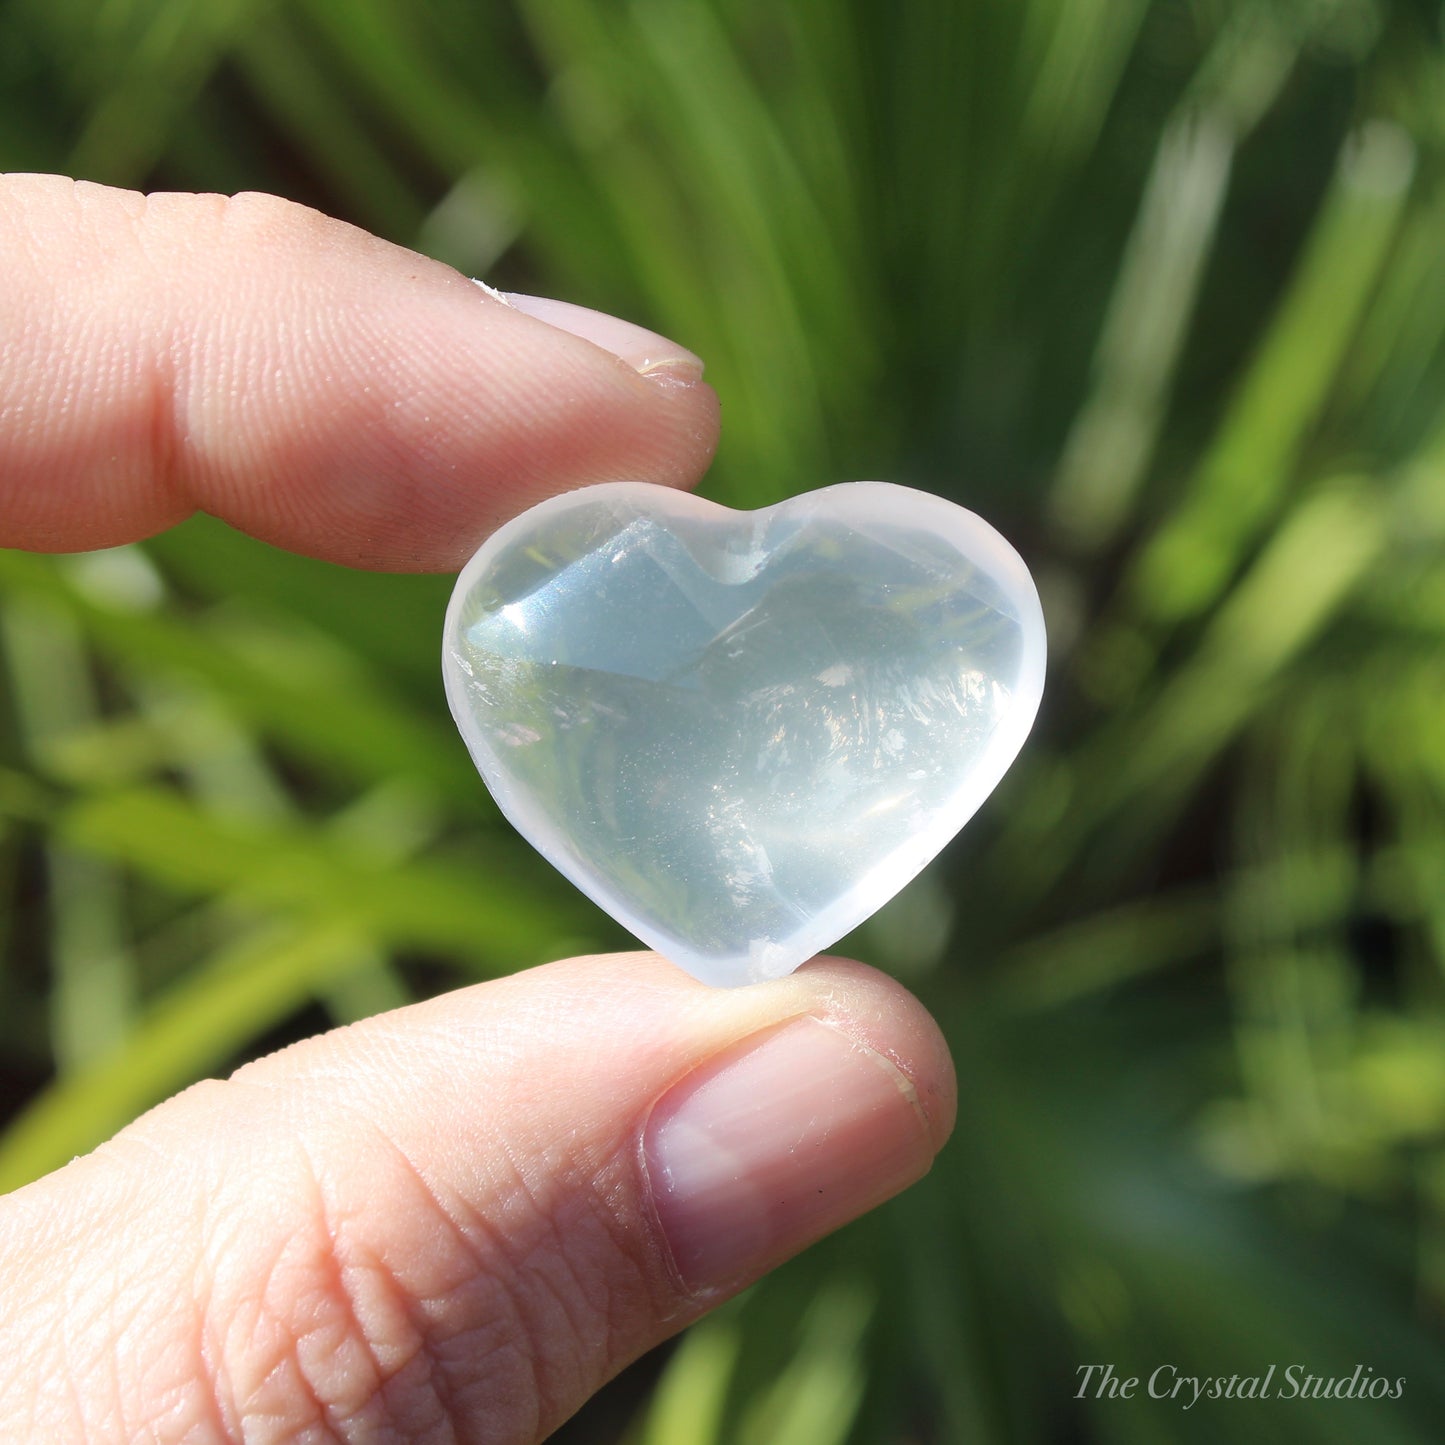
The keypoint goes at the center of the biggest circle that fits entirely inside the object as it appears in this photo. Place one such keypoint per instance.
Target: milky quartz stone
(741, 733)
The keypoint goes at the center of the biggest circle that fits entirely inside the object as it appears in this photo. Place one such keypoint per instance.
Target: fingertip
(430, 413)
(870, 1006)
(648, 353)
(885, 1016)
(798, 1128)
(318, 387)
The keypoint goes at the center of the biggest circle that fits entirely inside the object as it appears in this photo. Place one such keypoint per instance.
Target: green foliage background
(1156, 287)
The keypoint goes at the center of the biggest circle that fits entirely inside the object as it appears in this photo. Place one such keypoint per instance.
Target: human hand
(455, 1221)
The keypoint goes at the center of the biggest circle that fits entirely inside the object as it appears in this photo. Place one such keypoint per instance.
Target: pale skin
(453, 1222)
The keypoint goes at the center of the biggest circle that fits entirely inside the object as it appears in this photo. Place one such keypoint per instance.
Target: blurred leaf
(191, 1030)
(315, 700)
(687, 1405)
(1249, 466)
(816, 1395)
(490, 918)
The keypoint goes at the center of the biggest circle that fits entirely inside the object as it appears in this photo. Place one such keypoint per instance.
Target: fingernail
(776, 1144)
(654, 356)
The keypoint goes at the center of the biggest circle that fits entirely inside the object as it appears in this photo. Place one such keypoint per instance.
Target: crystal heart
(741, 733)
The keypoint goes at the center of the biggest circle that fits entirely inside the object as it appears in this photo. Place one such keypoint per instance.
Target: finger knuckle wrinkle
(331, 1331)
(293, 1347)
(381, 1303)
(570, 1294)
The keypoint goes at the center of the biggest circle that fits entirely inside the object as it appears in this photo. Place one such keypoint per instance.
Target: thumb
(457, 1220)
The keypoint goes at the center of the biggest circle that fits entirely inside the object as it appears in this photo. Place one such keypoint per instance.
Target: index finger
(319, 388)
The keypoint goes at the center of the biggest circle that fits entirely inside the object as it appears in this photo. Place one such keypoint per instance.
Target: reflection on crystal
(741, 733)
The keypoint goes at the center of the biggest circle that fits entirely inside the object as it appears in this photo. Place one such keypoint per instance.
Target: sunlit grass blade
(1112, 439)
(1141, 765)
(301, 95)
(154, 64)
(192, 1029)
(687, 1405)
(1299, 582)
(485, 913)
(1249, 466)
(1070, 61)
(814, 1399)
(301, 699)
(94, 978)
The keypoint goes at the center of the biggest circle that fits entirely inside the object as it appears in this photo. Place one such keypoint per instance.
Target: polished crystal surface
(741, 733)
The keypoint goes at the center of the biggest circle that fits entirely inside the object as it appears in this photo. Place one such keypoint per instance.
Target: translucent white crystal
(741, 733)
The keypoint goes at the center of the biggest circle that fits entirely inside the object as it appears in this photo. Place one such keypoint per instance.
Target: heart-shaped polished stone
(741, 733)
